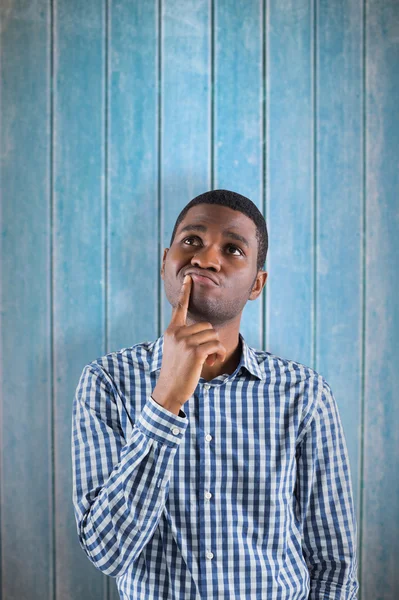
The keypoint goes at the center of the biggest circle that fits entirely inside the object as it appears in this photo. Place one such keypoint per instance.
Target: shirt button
(208, 437)
(175, 431)
(209, 555)
(208, 495)
(207, 386)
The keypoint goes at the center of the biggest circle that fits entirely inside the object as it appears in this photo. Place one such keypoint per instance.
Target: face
(221, 243)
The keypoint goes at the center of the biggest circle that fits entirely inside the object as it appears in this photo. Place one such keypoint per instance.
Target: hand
(185, 350)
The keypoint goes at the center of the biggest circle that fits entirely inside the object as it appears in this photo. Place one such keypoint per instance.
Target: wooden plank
(185, 114)
(380, 527)
(133, 234)
(133, 174)
(79, 256)
(339, 215)
(289, 177)
(26, 410)
(238, 119)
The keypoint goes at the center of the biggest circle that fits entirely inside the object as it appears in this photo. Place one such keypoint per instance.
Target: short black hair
(236, 202)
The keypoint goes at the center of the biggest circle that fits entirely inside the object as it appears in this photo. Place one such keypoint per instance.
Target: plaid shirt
(245, 494)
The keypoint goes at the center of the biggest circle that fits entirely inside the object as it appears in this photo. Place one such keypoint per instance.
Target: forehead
(215, 216)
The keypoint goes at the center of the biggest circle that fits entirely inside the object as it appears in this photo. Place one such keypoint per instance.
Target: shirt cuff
(160, 424)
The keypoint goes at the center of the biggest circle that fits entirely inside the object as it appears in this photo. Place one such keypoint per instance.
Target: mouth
(202, 278)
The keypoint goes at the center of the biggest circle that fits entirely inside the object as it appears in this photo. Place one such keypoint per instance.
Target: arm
(119, 486)
(324, 495)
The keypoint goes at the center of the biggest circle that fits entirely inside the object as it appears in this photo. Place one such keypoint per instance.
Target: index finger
(179, 312)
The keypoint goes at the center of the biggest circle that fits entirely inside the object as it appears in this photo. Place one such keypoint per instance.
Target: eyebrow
(226, 232)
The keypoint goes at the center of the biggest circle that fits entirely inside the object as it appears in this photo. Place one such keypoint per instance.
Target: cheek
(174, 263)
(240, 287)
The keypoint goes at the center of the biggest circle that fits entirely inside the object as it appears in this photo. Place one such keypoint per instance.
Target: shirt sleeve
(324, 497)
(119, 486)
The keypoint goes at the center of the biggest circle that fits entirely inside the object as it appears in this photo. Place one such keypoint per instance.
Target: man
(204, 468)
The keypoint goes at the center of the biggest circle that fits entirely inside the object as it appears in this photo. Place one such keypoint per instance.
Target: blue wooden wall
(114, 114)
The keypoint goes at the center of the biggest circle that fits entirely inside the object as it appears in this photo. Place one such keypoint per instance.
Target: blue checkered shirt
(245, 494)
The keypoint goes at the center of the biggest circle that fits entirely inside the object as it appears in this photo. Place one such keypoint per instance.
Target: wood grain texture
(380, 527)
(113, 116)
(78, 257)
(133, 223)
(132, 176)
(339, 213)
(289, 178)
(26, 394)
(185, 114)
(238, 118)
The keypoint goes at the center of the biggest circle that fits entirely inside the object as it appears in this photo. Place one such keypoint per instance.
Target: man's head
(236, 202)
(221, 234)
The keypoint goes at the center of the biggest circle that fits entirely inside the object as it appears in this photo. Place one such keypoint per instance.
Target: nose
(206, 258)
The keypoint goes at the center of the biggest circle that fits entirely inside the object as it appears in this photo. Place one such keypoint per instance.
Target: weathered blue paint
(289, 179)
(293, 104)
(78, 260)
(380, 523)
(132, 177)
(185, 101)
(133, 240)
(26, 510)
(238, 118)
(339, 213)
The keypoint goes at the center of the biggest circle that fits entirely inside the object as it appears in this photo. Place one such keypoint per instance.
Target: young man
(204, 468)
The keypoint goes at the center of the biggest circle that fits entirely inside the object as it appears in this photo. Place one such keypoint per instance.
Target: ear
(165, 252)
(258, 285)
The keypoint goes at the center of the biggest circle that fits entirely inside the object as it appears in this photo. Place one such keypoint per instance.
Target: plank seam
(315, 183)
(363, 307)
(159, 195)
(52, 578)
(264, 149)
(212, 94)
(107, 580)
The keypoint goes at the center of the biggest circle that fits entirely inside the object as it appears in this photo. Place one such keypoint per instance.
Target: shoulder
(282, 367)
(303, 388)
(126, 364)
(137, 354)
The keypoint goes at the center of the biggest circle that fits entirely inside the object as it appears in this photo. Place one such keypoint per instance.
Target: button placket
(207, 494)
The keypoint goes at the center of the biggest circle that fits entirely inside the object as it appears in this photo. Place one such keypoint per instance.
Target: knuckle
(170, 331)
(177, 335)
(184, 341)
(198, 350)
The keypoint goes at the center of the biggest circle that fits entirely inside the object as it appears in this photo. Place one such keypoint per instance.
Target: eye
(192, 237)
(236, 248)
(195, 237)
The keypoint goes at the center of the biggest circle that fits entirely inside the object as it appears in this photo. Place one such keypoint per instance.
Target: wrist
(167, 402)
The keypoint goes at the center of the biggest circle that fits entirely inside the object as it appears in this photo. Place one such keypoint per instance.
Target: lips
(201, 276)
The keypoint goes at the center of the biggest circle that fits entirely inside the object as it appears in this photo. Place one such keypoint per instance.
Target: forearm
(119, 491)
(334, 580)
(119, 522)
(324, 494)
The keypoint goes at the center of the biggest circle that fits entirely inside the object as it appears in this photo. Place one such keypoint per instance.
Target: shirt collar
(248, 357)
